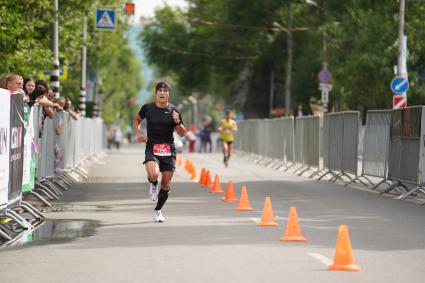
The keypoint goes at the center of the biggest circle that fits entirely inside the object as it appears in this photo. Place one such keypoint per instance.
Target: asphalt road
(206, 240)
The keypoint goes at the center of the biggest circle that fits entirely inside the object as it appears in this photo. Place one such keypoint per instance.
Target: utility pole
(271, 93)
(96, 97)
(54, 76)
(82, 100)
(328, 88)
(400, 59)
(289, 58)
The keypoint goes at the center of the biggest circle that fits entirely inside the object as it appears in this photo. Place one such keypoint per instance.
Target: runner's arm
(180, 129)
(136, 126)
(179, 126)
(220, 128)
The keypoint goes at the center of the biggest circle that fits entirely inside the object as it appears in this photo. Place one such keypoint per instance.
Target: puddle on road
(54, 231)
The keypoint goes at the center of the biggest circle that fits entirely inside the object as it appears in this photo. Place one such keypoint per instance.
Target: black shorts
(228, 142)
(166, 163)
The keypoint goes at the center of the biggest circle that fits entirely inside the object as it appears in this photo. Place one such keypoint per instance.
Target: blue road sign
(324, 76)
(106, 19)
(399, 85)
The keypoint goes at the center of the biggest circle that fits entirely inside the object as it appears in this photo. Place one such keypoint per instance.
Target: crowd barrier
(269, 142)
(406, 150)
(40, 157)
(307, 143)
(392, 147)
(375, 147)
(342, 134)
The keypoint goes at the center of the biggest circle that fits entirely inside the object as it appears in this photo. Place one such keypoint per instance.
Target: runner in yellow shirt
(227, 128)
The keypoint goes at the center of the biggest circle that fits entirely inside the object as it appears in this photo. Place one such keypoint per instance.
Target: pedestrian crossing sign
(106, 19)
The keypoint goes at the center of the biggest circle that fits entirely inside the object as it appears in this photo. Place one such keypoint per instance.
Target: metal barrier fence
(298, 142)
(288, 125)
(392, 146)
(405, 147)
(307, 143)
(340, 151)
(272, 139)
(39, 155)
(375, 146)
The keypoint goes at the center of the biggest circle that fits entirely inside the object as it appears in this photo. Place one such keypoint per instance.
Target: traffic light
(129, 8)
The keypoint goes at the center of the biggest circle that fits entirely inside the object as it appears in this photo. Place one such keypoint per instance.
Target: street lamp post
(289, 58)
(289, 51)
(271, 97)
(82, 100)
(400, 58)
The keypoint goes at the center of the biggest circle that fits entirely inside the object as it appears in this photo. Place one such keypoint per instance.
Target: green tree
(25, 48)
(229, 48)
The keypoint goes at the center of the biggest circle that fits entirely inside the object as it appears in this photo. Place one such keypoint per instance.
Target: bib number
(162, 149)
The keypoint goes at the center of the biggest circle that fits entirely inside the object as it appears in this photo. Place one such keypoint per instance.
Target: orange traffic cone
(207, 183)
(343, 259)
(186, 165)
(230, 193)
(267, 219)
(193, 173)
(179, 161)
(189, 167)
(244, 204)
(216, 189)
(202, 178)
(293, 230)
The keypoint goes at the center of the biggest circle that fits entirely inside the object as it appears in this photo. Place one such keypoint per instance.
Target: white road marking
(326, 261)
(254, 219)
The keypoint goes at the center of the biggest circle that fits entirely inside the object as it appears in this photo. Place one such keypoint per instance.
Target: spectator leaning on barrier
(68, 108)
(51, 96)
(29, 86)
(37, 96)
(42, 100)
(14, 84)
(61, 102)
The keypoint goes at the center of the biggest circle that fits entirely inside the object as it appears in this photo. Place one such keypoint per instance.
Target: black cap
(160, 85)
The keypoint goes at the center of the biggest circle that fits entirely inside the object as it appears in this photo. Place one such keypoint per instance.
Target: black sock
(162, 198)
(153, 183)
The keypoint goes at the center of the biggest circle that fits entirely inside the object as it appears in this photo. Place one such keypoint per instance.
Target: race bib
(162, 149)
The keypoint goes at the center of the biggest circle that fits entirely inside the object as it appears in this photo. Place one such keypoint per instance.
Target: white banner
(4, 144)
(28, 142)
(421, 172)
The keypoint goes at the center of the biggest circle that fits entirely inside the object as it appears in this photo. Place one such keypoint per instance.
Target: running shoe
(153, 192)
(158, 216)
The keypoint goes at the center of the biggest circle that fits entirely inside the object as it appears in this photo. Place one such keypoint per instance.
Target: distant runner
(160, 154)
(227, 128)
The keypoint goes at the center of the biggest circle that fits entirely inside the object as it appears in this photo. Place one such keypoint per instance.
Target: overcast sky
(146, 8)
